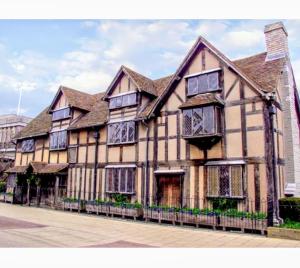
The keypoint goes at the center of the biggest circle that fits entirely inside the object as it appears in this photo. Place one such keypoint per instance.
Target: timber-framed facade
(213, 129)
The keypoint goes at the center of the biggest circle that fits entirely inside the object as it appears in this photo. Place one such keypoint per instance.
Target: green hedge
(289, 208)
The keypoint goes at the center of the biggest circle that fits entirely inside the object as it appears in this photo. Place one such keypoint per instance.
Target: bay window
(225, 181)
(201, 121)
(120, 180)
(121, 132)
(203, 83)
(58, 140)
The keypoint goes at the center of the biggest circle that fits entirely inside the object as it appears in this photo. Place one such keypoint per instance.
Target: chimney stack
(276, 41)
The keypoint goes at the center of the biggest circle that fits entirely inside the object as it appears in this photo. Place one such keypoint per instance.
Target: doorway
(169, 190)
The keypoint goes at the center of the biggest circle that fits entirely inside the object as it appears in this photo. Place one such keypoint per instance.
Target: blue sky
(40, 55)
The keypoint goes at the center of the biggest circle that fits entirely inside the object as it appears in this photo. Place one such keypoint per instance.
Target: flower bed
(160, 213)
(244, 220)
(73, 204)
(229, 218)
(115, 208)
(197, 216)
(7, 197)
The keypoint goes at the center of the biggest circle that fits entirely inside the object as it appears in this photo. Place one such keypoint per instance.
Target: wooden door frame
(181, 179)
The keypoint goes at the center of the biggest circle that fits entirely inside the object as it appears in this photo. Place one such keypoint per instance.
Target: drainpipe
(146, 197)
(96, 136)
(276, 220)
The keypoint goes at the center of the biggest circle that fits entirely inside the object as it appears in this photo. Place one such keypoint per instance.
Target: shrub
(2, 186)
(289, 208)
(291, 224)
(70, 199)
(223, 204)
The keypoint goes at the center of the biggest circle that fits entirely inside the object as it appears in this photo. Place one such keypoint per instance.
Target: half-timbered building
(214, 129)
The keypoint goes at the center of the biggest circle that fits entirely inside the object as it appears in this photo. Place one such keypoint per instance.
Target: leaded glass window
(225, 181)
(28, 145)
(120, 180)
(121, 132)
(201, 121)
(58, 140)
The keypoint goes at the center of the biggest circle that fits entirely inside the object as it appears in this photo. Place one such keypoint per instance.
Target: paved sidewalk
(35, 227)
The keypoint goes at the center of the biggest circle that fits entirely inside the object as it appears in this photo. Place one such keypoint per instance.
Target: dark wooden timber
(243, 120)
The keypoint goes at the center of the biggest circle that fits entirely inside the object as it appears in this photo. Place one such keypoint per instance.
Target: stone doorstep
(283, 233)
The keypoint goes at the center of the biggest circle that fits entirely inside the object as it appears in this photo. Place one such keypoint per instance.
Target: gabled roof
(75, 98)
(160, 86)
(179, 72)
(264, 73)
(38, 126)
(96, 117)
(142, 82)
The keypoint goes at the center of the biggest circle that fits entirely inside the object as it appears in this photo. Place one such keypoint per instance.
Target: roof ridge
(127, 68)
(76, 90)
(248, 57)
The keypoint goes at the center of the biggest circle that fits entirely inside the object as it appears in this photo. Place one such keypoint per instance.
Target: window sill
(227, 197)
(60, 149)
(202, 136)
(126, 193)
(123, 143)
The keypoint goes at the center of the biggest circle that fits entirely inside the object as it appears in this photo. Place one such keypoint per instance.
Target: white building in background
(10, 124)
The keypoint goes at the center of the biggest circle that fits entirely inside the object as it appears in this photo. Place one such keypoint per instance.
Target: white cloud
(243, 39)
(153, 48)
(89, 24)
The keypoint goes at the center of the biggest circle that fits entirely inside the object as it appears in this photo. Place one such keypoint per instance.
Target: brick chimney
(276, 41)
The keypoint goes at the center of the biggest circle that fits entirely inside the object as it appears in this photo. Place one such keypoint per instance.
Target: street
(22, 226)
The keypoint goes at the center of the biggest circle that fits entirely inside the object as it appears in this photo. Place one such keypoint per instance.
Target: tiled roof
(160, 86)
(37, 126)
(78, 99)
(264, 73)
(97, 116)
(17, 169)
(45, 168)
(144, 83)
(203, 99)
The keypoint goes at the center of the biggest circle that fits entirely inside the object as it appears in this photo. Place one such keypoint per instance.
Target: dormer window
(203, 82)
(61, 114)
(123, 100)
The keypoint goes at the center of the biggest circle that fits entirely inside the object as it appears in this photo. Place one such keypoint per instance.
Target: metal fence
(215, 213)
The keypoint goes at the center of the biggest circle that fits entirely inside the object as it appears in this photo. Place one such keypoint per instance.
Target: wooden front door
(169, 191)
